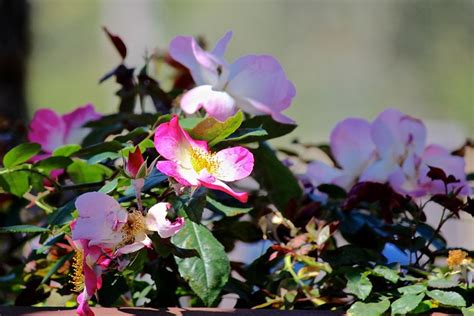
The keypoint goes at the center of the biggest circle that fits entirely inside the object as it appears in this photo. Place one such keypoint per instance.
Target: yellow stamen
(135, 225)
(77, 276)
(204, 160)
(456, 258)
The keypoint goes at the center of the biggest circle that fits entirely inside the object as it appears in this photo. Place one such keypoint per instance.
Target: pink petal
(83, 309)
(75, 132)
(141, 240)
(440, 157)
(202, 65)
(234, 164)
(260, 79)
(351, 145)
(221, 45)
(393, 132)
(174, 143)
(187, 177)
(100, 220)
(217, 104)
(156, 221)
(380, 171)
(221, 186)
(47, 129)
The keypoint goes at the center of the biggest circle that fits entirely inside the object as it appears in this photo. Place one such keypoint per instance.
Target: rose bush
(147, 209)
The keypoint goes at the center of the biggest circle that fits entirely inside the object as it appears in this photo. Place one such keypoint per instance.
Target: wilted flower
(457, 257)
(255, 83)
(51, 130)
(191, 163)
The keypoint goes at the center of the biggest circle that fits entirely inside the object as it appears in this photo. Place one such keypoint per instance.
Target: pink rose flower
(191, 163)
(51, 130)
(256, 84)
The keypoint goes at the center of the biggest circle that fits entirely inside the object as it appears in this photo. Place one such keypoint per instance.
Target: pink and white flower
(256, 84)
(104, 223)
(51, 130)
(191, 163)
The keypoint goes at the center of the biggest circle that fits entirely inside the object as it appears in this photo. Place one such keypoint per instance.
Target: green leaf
(81, 172)
(278, 180)
(412, 289)
(274, 129)
(195, 205)
(448, 298)
(386, 273)
(208, 273)
(87, 152)
(333, 191)
(187, 123)
(63, 214)
(247, 135)
(227, 210)
(358, 284)
(20, 154)
(23, 229)
(56, 266)
(468, 311)
(214, 131)
(109, 186)
(15, 182)
(137, 132)
(52, 163)
(102, 157)
(423, 307)
(369, 309)
(443, 283)
(407, 303)
(66, 150)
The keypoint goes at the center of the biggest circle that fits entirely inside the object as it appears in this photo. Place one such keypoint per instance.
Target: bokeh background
(346, 57)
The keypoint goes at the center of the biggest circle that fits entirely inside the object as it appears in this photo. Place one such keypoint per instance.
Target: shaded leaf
(227, 210)
(278, 180)
(56, 266)
(274, 129)
(208, 273)
(118, 43)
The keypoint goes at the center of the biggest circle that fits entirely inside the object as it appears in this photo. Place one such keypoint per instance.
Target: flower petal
(174, 143)
(261, 80)
(218, 105)
(187, 177)
(83, 309)
(156, 221)
(47, 129)
(100, 220)
(141, 240)
(235, 163)
(351, 145)
(437, 156)
(393, 132)
(221, 186)
(221, 45)
(379, 171)
(74, 122)
(202, 65)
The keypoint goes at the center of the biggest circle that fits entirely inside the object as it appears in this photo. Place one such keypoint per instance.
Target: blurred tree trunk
(14, 47)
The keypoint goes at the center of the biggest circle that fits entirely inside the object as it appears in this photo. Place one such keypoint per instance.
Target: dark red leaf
(118, 43)
(452, 203)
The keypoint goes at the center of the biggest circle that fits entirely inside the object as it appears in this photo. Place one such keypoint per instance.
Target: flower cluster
(390, 149)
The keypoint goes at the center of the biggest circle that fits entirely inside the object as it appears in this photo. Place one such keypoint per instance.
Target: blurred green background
(346, 58)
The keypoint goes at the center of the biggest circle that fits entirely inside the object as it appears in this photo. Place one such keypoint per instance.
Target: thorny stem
(37, 201)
